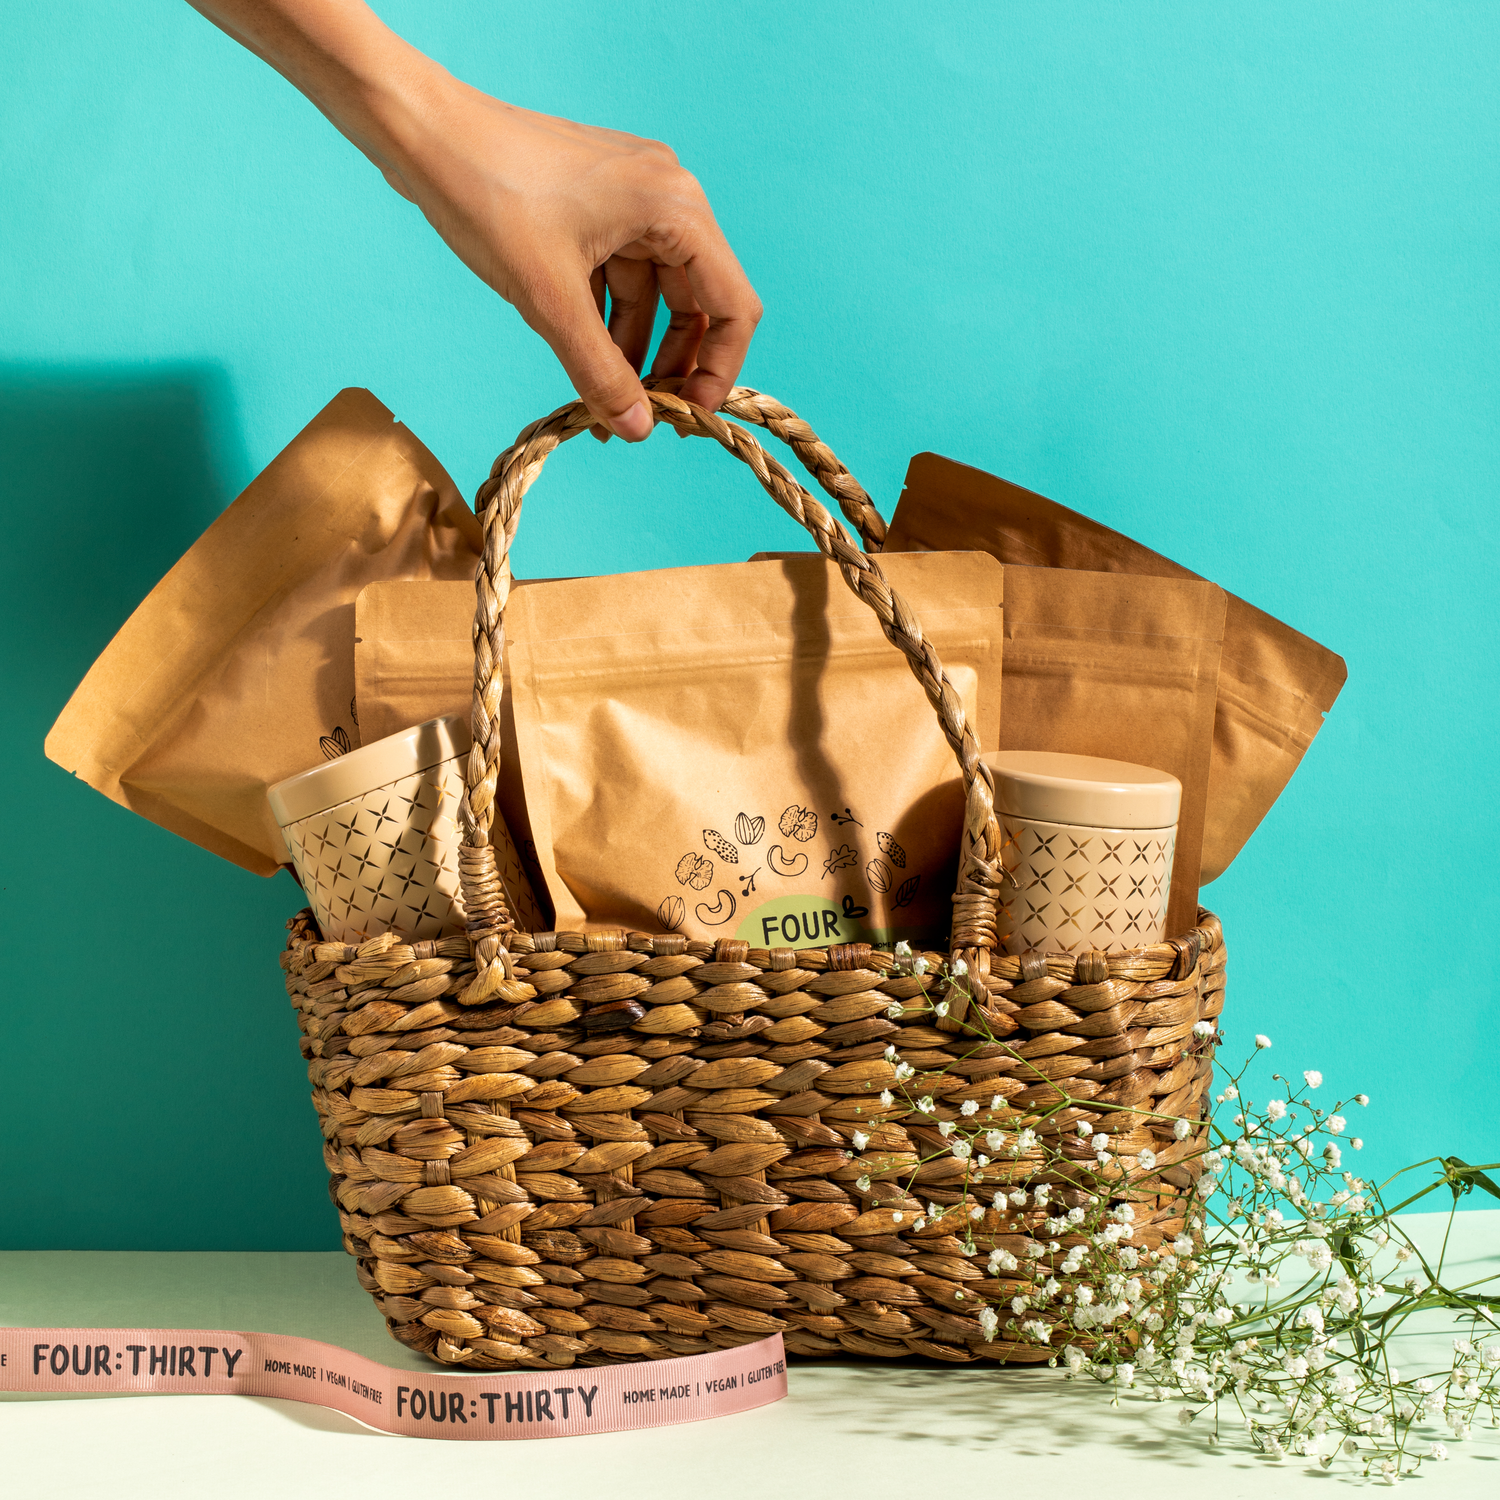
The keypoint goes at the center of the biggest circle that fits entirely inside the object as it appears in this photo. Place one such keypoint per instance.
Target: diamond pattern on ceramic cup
(388, 861)
(1082, 888)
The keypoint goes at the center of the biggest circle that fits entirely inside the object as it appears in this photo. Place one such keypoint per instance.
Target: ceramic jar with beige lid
(1089, 843)
(374, 837)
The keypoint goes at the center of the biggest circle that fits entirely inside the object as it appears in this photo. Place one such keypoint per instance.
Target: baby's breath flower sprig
(1279, 1294)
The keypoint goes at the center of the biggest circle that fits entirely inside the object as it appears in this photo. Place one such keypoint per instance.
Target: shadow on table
(316, 1418)
(1017, 1412)
(300, 1413)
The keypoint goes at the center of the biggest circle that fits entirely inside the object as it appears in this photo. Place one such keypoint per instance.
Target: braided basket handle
(499, 503)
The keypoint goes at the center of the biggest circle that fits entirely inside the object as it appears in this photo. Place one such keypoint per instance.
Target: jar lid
(1083, 789)
(371, 766)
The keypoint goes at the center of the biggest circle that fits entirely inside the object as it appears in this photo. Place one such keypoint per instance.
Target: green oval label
(804, 922)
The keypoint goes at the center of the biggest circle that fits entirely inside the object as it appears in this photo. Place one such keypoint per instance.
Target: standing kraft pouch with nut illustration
(738, 751)
(735, 751)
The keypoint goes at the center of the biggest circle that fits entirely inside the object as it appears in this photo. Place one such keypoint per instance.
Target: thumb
(566, 314)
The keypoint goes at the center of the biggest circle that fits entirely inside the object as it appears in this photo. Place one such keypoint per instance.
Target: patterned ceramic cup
(1090, 845)
(374, 837)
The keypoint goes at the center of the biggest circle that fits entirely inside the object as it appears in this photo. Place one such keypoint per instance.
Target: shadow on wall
(150, 963)
(107, 476)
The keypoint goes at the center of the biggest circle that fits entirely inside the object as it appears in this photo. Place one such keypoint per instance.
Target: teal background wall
(1225, 280)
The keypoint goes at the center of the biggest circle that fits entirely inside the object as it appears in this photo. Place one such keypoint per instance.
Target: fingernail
(635, 425)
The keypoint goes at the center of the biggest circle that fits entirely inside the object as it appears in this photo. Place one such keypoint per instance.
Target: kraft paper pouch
(1275, 684)
(737, 751)
(1115, 667)
(414, 661)
(1124, 668)
(238, 669)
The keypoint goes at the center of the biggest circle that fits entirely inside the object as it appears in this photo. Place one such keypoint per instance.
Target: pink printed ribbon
(484, 1408)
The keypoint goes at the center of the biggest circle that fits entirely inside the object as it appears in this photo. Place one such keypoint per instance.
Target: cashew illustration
(717, 914)
(781, 865)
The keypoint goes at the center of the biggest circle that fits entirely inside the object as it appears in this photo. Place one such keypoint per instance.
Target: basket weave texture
(550, 1148)
(537, 1184)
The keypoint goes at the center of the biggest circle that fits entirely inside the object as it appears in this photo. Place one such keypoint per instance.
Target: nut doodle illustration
(878, 873)
(335, 744)
(907, 894)
(842, 858)
(749, 830)
(694, 870)
(780, 865)
(892, 850)
(721, 846)
(717, 914)
(799, 823)
(671, 912)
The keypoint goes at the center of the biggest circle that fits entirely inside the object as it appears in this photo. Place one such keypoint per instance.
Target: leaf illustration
(878, 873)
(892, 850)
(749, 830)
(799, 823)
(853, 912)
(717, 914)
(780, 865)
(335, 744)
(694, 870)
(721, 846)
(908, 892)
(671, 912)
(842, 858)
(354, 711)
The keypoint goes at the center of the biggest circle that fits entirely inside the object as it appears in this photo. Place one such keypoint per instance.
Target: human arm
(549, 213)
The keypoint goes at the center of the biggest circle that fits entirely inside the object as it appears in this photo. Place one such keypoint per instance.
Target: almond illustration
(335, 744)
(878, 873)
(800, 823)
(694, 870)
(749, 830)
(780, 865)
(721, 846)
(671, 912)
(892, 850)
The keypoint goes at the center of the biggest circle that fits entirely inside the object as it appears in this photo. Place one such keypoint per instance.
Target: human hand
(553, 215)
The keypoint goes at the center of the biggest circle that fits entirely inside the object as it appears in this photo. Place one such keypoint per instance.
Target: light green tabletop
(845, 1428)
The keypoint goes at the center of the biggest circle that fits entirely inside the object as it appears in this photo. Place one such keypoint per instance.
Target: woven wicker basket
(554, 1147)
